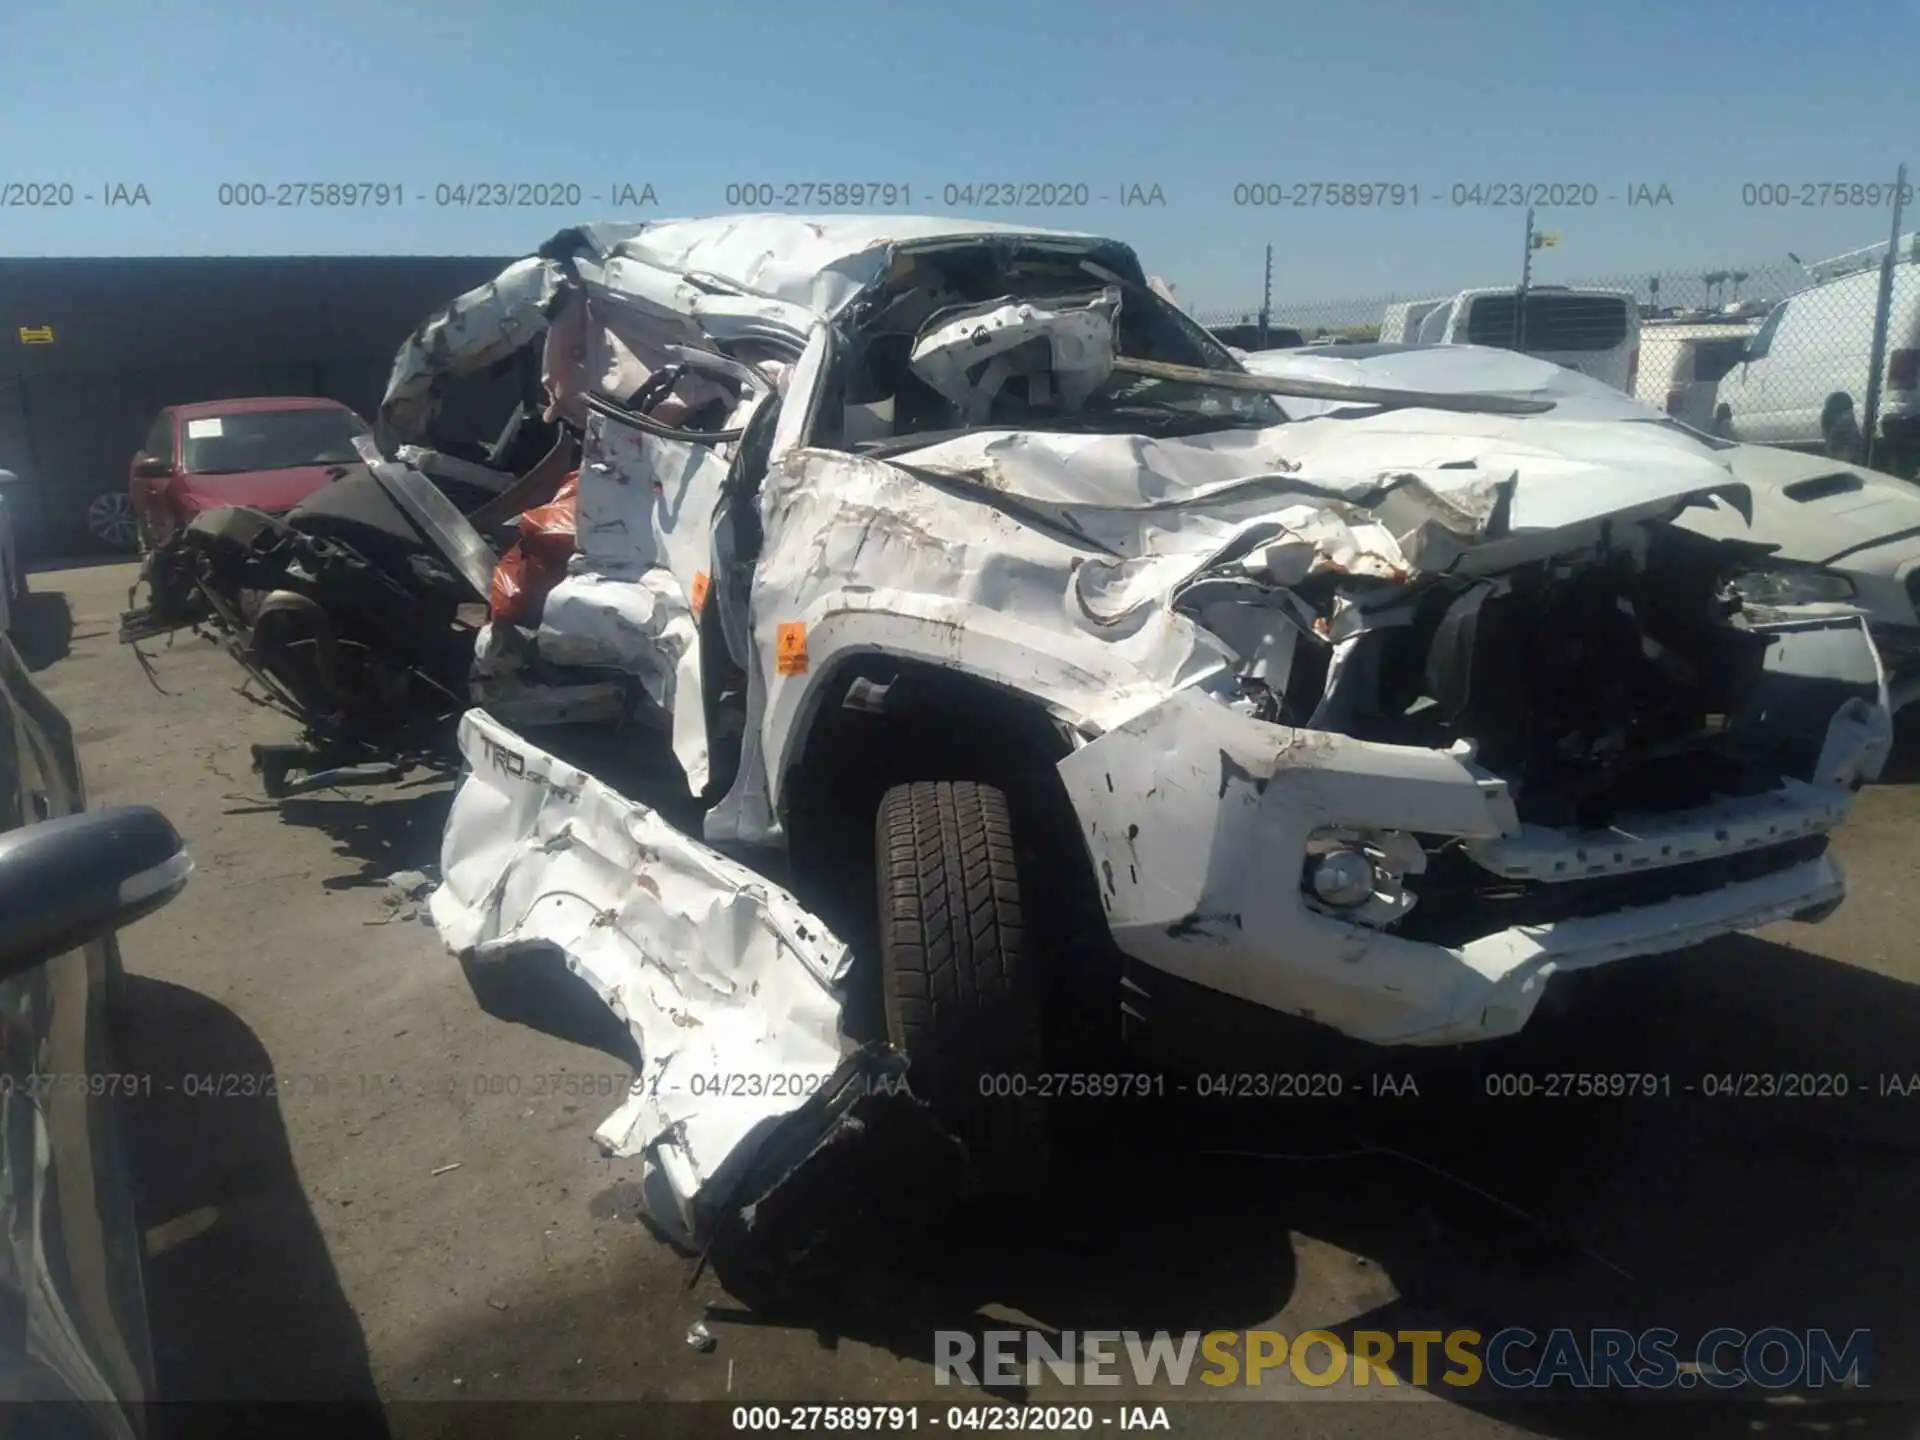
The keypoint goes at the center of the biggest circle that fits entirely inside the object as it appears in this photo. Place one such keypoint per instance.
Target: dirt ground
(419, 1213)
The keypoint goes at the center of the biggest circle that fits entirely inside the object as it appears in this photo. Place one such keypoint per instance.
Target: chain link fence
(1815, 355)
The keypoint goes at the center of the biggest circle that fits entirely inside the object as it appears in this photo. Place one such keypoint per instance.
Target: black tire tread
(956, 961)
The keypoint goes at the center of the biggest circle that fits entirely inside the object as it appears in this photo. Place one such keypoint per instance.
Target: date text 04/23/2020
(460, 195)
(1478, 195)
(1007, 1418)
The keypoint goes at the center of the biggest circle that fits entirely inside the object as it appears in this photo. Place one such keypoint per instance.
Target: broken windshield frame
(880, 330)
(1196, 398)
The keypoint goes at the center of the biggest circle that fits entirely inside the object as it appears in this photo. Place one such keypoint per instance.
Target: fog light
(1342, 877)
(1359, 874)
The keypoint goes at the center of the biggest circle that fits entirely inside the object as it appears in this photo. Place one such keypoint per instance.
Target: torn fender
(730, 987)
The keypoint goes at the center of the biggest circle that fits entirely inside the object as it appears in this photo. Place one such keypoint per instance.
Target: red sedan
(268, 452)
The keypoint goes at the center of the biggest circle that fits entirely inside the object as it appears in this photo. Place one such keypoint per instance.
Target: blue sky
(182, 96)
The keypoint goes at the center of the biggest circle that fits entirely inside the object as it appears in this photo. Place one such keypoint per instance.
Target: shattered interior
(1380, 718)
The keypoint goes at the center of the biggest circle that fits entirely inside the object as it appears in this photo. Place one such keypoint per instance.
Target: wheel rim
(110, 518)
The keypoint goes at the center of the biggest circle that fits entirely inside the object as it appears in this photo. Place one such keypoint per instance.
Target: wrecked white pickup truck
(1037, 676)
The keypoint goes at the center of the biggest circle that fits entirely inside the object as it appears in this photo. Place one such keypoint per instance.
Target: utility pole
(1520, 299)
(1870, 422)
(1266, 299)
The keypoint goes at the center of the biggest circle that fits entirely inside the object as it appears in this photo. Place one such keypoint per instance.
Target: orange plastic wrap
(537, 561)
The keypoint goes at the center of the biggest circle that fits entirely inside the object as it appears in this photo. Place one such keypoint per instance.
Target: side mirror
(65, 882)
(145, 467)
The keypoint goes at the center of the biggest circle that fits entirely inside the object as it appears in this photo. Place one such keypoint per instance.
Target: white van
(1803, 381)
(1682, 362)
(1596, 332)
(1401, 322)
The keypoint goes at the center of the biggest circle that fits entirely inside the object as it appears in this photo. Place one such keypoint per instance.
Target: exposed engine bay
(1615, 682)
(1606, 688)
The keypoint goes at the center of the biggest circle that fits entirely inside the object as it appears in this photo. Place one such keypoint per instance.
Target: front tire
(957, 971)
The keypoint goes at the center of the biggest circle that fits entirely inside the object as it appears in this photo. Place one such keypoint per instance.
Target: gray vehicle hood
(1816, 510)
(1827, 512)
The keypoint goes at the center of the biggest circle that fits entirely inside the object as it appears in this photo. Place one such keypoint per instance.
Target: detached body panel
(729, 986)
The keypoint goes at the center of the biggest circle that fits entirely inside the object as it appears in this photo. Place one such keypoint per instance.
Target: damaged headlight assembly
(1360, 875)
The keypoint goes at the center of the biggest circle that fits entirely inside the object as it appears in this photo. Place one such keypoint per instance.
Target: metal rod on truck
(1466, 403)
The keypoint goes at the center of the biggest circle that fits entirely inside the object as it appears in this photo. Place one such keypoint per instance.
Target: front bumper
(1198, 818)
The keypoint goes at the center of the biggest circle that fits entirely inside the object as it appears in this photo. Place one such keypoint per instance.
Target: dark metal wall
(132, 335)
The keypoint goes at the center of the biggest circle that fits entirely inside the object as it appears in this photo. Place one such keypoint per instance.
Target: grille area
(1461, 902)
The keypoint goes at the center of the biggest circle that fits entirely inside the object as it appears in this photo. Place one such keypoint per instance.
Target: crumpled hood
(1818, 511)
(1450, 369)
(1557, 474)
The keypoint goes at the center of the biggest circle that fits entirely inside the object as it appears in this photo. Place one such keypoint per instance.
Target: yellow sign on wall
(36, 334)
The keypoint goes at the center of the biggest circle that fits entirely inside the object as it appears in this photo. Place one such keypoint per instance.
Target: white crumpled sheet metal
(1045, 561)
(642, 538)
(642, 627)
(729, 986)
(485, 325)
(1564, 473)
(1454, 370)
(816, 261)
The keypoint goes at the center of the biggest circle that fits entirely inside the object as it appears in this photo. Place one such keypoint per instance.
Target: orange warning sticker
(790, 650)
(699, 591)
